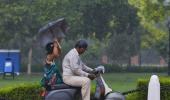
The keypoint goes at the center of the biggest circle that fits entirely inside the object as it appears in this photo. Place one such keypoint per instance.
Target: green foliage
(143, 83)
(21, 20)
(66, 46)
(111, 26)
(149, 69)
(121, 47)
(153, 14)
(121, 23)
(21, 92)
(93, 53)
(131, 96)
(107, 18)
(110, 68)
(150, 10)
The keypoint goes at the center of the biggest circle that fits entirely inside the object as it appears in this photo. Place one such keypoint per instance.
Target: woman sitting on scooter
(52, 75)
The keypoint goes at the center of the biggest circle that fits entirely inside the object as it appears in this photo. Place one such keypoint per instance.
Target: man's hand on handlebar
(95, 72)
(91, 76)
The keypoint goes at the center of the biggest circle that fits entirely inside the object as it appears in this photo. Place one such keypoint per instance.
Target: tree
(152, 15)
(21, 20)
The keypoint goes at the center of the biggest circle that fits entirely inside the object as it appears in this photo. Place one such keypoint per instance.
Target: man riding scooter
(75, 72)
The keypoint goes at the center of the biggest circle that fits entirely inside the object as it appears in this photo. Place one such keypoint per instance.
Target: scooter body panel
(114, 96)
(64, 94)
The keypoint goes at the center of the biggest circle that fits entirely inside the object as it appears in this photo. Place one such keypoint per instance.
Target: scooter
(64, 92)
(102, 91)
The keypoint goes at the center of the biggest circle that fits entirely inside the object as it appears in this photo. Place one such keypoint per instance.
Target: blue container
(9, 59)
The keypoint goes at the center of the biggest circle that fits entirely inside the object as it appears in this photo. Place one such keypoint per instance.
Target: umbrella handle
(55, 40)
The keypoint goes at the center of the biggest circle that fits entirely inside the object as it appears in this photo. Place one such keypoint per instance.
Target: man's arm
(86, 68)
(75, 65)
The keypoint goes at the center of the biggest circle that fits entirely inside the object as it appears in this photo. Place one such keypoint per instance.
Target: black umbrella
(53, 30)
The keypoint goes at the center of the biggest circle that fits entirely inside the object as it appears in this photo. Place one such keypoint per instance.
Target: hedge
(109, 68)
(137, 69)
(26, 92)
(21, 92)
(143, 83)
(149, 69)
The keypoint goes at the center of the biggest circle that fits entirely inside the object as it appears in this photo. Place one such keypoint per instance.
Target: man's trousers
(79, 81)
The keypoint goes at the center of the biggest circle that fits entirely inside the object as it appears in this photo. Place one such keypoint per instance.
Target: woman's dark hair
(49, 47)
(81, 44)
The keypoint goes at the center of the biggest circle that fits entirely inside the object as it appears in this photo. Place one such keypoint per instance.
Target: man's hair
(81, 44)
(49, 47)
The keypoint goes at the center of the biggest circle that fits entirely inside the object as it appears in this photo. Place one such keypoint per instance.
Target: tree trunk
(29, 61)
(129, 60)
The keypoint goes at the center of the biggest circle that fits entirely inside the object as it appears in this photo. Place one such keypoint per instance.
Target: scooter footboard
(64, 94)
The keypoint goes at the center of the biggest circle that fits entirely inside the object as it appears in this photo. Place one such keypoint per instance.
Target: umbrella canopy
(53, 30)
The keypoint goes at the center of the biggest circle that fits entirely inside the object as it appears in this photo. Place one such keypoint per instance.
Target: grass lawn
(22, 78)
(117, 81)
(126, 81)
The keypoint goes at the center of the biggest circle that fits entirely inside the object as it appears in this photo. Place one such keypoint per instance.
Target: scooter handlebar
(100, 69)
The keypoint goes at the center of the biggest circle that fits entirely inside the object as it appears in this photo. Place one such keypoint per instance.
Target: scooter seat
(64, 92)
(63, 86)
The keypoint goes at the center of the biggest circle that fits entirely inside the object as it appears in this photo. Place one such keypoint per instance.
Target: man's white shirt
(73, 66)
